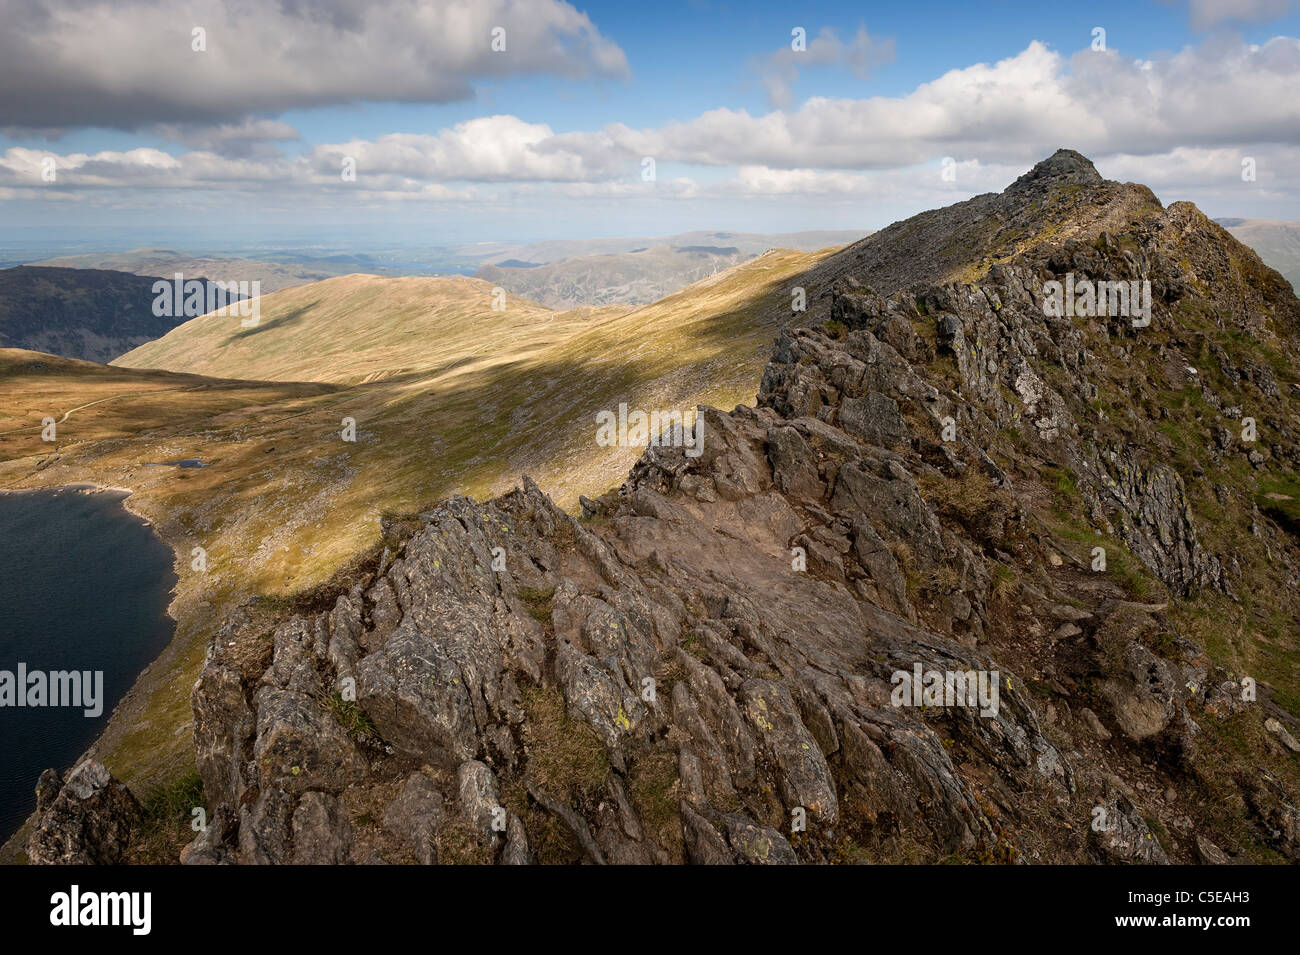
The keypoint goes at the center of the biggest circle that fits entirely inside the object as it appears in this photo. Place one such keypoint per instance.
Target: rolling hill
(434, 367)
(357, 328)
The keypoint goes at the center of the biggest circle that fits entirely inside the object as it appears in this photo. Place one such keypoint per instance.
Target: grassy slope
(352, 329)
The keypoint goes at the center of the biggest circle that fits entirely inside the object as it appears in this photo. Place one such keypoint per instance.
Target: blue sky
(454, 142)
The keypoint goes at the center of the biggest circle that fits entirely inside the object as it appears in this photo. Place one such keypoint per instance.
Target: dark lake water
(84, 585)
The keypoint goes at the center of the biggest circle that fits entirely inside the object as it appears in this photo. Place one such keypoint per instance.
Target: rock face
(925, 601)
(724, 690)
(88, 822)
(1123, 836)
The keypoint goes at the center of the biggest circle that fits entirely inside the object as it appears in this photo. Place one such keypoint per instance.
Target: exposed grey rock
(805, 778)
(793, 468)
(1124, 835)
(477, 788)
(1277, 729)
(264, 829)
(704, 846)
(1094, 724)
(89, 822)
(1142, 696)
(322, 834)
(414, 816)
(224, 725)
(208, 847)
(1209, 853)
(757, 845)
(300, 746)
(874, 418)
(516, 849)
(415, 693)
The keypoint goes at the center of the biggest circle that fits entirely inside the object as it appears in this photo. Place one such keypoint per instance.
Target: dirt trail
(100, 401)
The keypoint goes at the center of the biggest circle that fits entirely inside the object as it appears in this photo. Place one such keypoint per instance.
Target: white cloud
(131, 63)
(487, 149)
(1022, 107)
(1212, 174)
(1181, 123)
(918, 184)
(780, 70)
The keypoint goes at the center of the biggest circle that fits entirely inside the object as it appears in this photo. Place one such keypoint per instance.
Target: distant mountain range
(167, 262)
(560, 273)
(746, 243)
(97, 307)
(93, 314)
(565, 274)
(619, 278)
(1278, 243)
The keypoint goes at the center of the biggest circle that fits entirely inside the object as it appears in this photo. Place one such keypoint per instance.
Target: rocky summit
(749, 655)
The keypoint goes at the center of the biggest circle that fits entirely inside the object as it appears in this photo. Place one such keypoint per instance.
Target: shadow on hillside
(285, 320)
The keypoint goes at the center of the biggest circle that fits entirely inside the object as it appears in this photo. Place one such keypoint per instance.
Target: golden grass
(359, 328)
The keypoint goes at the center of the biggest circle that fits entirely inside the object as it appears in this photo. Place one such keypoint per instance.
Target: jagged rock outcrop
(1123, 835)
(85, 820)
(652, 639)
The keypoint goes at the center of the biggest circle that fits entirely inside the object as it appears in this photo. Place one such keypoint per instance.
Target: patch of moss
(565, 758)
(1279, 498)
(654, 790)
(166, 822)
(538, 602)
(354, 720)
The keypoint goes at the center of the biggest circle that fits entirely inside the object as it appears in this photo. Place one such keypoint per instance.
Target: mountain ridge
(925, 483)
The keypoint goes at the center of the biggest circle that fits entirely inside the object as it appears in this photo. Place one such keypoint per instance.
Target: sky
(405, 122)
